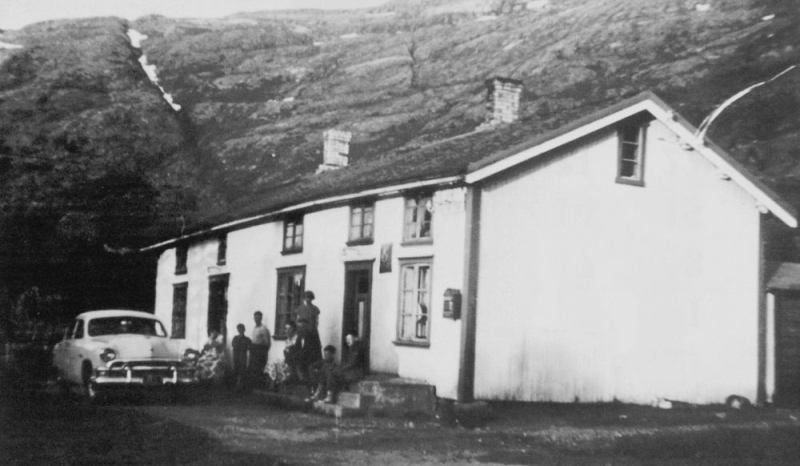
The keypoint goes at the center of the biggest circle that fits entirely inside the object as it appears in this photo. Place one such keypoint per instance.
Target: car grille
(137, 369)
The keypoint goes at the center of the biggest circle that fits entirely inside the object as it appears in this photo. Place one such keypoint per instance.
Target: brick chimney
(336, 148)
(502, 101)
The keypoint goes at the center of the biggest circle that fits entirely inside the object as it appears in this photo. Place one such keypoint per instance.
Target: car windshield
(125, 324)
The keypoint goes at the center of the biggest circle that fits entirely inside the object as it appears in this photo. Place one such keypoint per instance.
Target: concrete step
(399, 397)
(336, 410)
(391, 397)
(354, 400)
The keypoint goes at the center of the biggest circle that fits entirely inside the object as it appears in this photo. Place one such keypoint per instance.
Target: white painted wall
(594, 290)
(254, 255)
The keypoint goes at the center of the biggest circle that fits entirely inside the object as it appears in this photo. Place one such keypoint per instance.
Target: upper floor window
(222, 250)
(181, 253)
(415, 302)
(418, 217)
(630, 158)
(293, 234)
(362, 218)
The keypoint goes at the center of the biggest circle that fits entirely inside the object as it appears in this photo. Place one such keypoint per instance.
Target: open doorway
(218, 304)
(357, 304)
(787, 348)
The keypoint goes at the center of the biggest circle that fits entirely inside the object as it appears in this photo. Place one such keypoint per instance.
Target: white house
(617, 258)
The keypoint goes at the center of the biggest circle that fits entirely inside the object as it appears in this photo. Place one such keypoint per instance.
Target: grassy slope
(90, 156)
(263, 87)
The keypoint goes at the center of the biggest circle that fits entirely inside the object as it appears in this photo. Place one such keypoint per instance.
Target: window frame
(294, 221)
(640, 151)
(185, 290)
(282, 316)
(181, 259)
(413, 339)
(362, 238)
(79, 331)
(408, 220)
(222, 249)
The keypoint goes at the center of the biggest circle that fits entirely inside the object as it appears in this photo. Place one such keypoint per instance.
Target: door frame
(779, 398)
(223, 277)
(355, 266)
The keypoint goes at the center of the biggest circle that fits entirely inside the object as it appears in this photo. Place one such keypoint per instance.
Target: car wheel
(89, 388)
(93, 392)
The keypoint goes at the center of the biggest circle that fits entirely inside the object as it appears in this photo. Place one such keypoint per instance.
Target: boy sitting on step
(326, 380)
(333, 377)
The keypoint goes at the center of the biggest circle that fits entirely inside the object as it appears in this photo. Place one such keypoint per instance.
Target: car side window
(78, 329)
(68, 332)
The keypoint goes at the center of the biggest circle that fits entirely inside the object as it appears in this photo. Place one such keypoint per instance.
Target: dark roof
(783, 276)
(455, 156)
(411, 163)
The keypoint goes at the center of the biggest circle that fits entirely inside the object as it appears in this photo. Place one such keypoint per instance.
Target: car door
(73, 354)
(60, 350)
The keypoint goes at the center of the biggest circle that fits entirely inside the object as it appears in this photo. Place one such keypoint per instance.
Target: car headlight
(108, 354)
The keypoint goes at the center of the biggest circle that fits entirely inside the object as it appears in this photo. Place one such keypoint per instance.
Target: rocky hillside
(93, 159)
(261, 88)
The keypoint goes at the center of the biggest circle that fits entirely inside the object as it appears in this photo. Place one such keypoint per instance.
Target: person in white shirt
(259, 350)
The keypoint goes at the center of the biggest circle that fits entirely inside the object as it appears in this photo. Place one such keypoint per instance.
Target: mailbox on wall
(452, 303)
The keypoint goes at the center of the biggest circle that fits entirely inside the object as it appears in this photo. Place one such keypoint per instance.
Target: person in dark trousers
(309, 352)
(291, 352)
(241, 349)
(326, 376)
(333, 378)
(308, 310)
(259, 350)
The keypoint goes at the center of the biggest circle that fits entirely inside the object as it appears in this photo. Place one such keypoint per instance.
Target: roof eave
(268, 216)
(650, 103)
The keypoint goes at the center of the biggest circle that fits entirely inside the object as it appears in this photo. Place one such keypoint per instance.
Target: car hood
(143, 346)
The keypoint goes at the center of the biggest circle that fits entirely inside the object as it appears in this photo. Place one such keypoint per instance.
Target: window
(293, 234)
(222, 250)
(415, 302)
(630, 161)
(418, 216)
(362, 217)
(78, 330)
(123, 325)
(179, 294)
(181, 252)
(291, 285)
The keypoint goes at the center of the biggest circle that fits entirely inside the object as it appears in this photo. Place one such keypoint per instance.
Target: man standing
(308, 310)
(259, 349)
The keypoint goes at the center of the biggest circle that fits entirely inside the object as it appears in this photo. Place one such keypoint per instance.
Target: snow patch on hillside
(136, 39)
(6, 45)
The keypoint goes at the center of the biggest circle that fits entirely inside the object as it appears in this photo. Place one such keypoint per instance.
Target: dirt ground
(39, 426)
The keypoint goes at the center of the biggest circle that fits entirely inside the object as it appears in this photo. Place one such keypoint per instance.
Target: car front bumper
(147, 373)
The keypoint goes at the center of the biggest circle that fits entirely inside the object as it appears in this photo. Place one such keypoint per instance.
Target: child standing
(241, 347)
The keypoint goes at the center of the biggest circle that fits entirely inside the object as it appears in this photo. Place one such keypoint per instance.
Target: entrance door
(218, 304)
(787, 349)
(357, 301)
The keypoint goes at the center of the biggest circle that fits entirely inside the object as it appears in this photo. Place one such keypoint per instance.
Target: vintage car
(106, 350)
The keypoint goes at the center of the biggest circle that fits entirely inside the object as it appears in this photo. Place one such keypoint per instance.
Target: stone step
(399, 397)
(391, 397)
(353, 400)
(336, 410)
